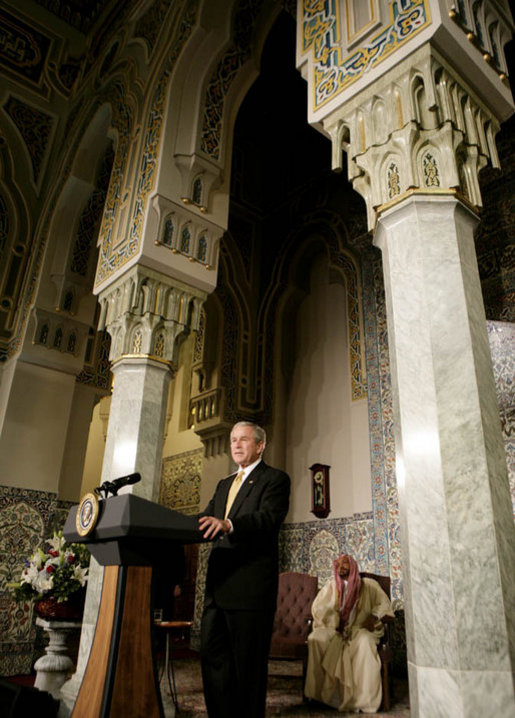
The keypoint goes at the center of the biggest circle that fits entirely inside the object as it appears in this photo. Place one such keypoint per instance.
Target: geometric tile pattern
(111, 257)
(23, 50)
(495, 235)
(226, 70)
(335, 69)
(502, 347)
(380, 416)
(35, 128)
(311, 547)
(180, 481)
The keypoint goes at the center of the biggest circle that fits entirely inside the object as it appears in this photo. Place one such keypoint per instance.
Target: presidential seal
(87, 514)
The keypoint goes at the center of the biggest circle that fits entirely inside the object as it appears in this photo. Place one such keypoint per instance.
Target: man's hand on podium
(213, 527)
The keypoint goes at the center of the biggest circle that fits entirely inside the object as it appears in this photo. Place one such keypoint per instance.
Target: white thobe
(346, 673)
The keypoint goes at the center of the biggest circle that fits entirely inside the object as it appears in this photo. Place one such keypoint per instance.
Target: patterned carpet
(284, 696)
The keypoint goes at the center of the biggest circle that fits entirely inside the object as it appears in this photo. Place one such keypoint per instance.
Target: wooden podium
(130, 536)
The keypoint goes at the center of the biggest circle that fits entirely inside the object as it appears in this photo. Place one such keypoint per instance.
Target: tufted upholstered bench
(292, 621)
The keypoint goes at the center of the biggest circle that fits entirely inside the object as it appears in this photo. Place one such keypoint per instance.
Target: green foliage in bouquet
(59, 571)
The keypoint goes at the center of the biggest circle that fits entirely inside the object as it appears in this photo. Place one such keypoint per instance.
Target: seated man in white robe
(344, 668)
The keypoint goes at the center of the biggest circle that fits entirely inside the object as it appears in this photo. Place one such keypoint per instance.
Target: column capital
(421, 196)
(145, 312)
(418, 127)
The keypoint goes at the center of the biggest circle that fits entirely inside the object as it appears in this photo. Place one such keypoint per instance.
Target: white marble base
(440, 693)
(55, 666)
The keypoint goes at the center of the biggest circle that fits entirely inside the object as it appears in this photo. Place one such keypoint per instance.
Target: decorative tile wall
(27, 518)
(180, 481)
(502, 346)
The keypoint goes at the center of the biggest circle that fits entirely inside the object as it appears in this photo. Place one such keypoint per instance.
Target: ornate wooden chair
(292, 621)
(385, 645)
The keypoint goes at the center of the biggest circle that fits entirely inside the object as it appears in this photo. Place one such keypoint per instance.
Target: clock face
(320, 490)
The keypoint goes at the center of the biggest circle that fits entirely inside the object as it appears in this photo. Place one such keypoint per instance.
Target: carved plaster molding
(420, 126)
(145, 312)
(62, 335)
(187, 233)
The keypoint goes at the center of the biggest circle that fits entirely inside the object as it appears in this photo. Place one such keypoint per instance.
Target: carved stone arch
(197, 190)
(186, 238)
(209, 376)
(361, 130)
(69, 187)
(426, 119)
(202, 247)
(125, 108)
(380, 121)
(13, 145)
(57, 337)
(465, 13)
(321, 232)
(43, 333)
(468, 117)
(504, 36)
(232, 75)
(492, 38)
(480, 121)
(444, 84)
(117, 348)
(212, 75)
(401, 112)
(347, 265)
(490, 133)
(15, 247)
(75, 222)
(191, 311)
(72, 341)
(340, 139)
(235, 325)
(457, 95)
(478, 20)
(313, 246)
(168, 234)
(208, 346)
(182, 306)
(97, 130)
(69, 302)
(466, 184)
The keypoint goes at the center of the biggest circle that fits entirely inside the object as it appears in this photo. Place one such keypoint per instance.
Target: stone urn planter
(50, 609)
(59, 620)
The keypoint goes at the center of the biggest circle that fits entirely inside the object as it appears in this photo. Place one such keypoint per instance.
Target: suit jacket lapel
(252, 479)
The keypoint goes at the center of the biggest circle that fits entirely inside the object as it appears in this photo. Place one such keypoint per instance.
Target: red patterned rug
(284, 697)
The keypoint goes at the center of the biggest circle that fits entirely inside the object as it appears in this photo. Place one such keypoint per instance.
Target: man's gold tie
(235, 487)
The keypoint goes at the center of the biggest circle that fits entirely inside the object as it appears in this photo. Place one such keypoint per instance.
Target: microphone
(112, 487)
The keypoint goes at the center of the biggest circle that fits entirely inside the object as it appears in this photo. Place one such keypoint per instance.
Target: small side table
(55, 666)
(181, 627)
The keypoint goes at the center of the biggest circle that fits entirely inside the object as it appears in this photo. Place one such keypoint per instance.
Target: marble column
(136, 423)
(145, 313)
(456, 519)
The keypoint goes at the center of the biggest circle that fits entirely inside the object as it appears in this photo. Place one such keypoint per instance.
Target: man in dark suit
(243, 520)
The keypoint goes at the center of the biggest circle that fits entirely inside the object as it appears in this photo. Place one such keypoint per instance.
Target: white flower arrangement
(60, 571)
